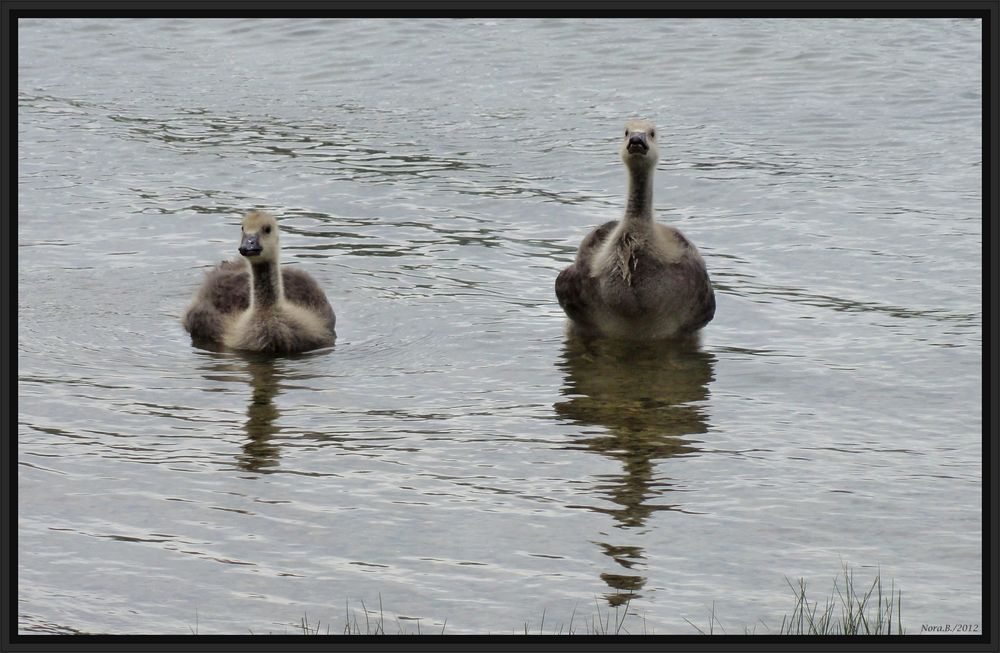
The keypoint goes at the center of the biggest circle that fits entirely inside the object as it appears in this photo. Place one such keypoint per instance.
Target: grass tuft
(851, 609)
(861, 611)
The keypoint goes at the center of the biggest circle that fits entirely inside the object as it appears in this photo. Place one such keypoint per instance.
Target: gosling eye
(652, 134)
(267, 230)
(626, 133)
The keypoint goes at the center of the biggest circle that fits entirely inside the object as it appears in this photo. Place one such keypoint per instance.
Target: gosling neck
(265, 284)
(639, 203)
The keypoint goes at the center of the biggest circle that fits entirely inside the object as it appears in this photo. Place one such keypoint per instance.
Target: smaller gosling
(255, 305)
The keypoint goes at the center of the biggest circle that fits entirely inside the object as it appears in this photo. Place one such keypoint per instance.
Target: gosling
(255, 305)
(634, 278)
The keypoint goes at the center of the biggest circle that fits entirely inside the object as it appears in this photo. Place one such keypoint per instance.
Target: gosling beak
(637, 143)
(250, 245)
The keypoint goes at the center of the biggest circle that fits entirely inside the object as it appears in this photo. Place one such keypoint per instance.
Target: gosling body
(254, 304)
(634, 278)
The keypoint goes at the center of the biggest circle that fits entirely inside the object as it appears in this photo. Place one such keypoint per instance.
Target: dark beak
(250, 245)
(637, 143)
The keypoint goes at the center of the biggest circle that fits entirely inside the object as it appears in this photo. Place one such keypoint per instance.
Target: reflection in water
(260, 453)
(645, 396)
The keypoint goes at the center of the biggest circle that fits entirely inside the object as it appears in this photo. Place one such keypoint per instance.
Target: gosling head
(259, 243)
(639, 149)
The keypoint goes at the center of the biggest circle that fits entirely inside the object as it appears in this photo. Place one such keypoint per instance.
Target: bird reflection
(259, 453)
(644, 396)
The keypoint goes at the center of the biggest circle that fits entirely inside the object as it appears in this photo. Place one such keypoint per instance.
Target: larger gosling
(253, 304)
(634, 278)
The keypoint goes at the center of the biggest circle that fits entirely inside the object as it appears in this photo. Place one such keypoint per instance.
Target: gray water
(454, 455)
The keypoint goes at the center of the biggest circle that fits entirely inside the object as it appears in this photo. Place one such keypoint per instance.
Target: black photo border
(12, 10)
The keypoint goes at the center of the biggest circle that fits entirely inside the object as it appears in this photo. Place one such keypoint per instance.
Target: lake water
(454, 455)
